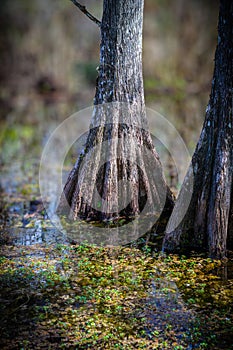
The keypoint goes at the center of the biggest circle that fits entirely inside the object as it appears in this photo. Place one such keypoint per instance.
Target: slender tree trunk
(208, 222)
(119, 164)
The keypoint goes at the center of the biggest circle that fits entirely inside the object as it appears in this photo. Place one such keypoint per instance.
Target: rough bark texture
(208, 222)
(114, 160)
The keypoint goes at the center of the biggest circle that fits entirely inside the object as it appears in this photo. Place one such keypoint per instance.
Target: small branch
(88, 14)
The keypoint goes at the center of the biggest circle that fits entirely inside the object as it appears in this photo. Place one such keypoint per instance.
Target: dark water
(23, 219)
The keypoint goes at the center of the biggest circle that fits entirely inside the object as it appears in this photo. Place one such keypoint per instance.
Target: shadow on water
(166, 311)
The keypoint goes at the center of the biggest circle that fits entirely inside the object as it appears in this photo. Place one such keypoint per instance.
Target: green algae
(83, 296)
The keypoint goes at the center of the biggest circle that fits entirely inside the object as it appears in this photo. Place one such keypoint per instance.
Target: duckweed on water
(79, 297)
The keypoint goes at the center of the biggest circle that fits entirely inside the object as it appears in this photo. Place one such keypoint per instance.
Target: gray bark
(208, 223)
(122, 170)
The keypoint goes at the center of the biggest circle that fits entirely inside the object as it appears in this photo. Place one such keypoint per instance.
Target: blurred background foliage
(50, 52)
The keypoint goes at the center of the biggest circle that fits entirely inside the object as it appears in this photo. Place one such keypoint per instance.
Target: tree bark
(208, 223)
(119, 161)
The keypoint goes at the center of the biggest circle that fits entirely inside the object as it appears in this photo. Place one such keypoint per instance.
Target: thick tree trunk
(119, 172)
(208, 222)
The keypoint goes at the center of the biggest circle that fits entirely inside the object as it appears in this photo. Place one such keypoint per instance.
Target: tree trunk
(119, 172)
(208, 223)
